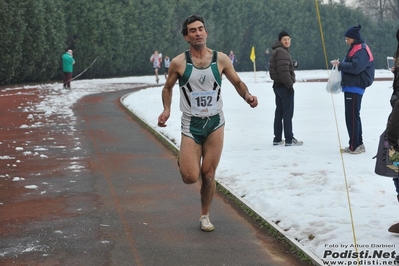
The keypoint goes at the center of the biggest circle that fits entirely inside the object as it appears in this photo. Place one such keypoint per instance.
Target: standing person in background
(267, 60)
(167, 64)
(199, 72)
(233, 58)
(282, 73)
(67, 68)
(357, 70)
(391, 135)
(156, 60)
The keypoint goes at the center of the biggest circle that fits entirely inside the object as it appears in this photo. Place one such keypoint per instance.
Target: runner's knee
(189, 178)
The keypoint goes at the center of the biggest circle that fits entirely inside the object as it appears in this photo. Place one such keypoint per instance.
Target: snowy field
(303, 189)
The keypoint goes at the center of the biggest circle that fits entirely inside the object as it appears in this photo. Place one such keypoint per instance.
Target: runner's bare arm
(175, 70)
(227, 68)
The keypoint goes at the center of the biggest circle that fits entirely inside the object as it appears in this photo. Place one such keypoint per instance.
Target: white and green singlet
(201, 100)
(200, 89)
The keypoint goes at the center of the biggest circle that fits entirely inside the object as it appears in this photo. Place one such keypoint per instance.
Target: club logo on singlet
(202, 79)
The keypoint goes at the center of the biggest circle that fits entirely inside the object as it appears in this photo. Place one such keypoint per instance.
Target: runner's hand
(251, 100)
(163, 117)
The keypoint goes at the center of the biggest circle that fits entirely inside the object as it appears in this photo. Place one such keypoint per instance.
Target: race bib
(203, 103)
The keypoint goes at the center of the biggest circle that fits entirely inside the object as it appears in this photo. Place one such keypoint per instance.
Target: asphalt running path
(107, 192)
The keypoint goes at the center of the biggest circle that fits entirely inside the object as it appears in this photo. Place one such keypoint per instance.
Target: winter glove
(295, 63)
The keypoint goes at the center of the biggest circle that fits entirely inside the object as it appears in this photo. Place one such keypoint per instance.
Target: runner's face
(196, 34)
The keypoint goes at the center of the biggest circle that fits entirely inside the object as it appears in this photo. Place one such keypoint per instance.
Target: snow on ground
(301, 189)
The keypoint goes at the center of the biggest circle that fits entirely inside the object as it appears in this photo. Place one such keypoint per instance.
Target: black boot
(394, 228)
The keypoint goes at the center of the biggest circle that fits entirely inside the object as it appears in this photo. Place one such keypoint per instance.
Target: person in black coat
(392, 132)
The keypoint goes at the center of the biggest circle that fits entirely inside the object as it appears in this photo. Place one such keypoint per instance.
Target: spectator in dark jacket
(282, 73)
(392, 130)
(357, 70)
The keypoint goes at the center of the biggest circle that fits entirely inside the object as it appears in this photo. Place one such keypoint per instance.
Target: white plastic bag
(334, 81)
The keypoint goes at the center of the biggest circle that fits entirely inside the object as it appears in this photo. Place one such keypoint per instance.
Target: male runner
(199, 72)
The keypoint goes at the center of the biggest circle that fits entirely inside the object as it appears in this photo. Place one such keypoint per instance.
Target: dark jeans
(283, 114)
(67, 79)
(353, 102)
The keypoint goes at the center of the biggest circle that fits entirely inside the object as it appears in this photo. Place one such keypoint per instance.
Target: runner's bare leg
(191, 168)
(211, 152)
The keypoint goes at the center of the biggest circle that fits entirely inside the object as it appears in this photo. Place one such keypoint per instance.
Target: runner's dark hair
(190, 20)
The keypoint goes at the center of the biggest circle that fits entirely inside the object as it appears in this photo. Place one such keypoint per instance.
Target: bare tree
(377, 9)
(381, 10)
(393, 6)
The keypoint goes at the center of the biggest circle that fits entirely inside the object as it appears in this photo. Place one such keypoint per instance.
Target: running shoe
(358, 150)
(276, 143)
(205, 224)
(294, 142)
